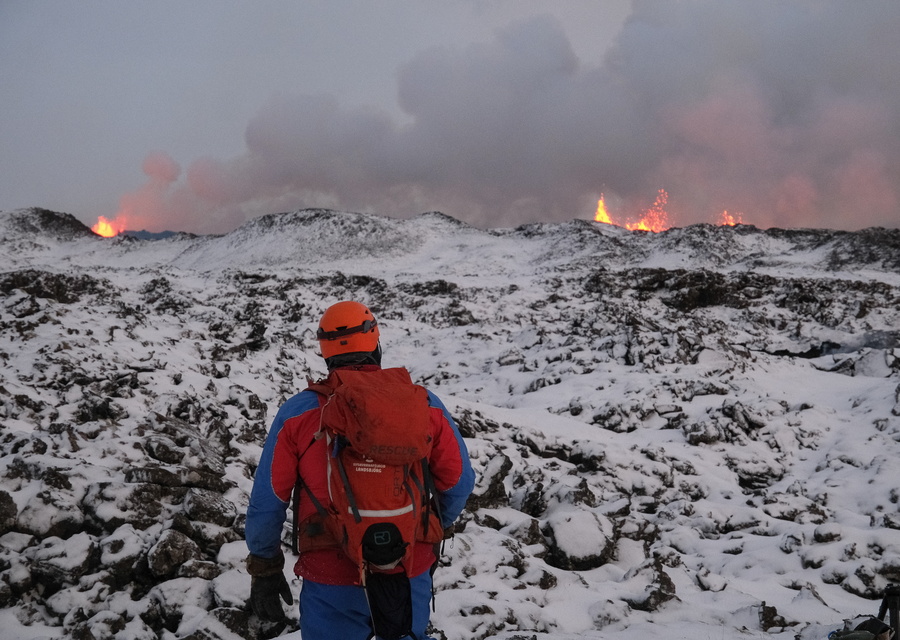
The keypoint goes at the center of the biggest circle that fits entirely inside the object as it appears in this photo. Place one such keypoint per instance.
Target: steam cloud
(785, 112)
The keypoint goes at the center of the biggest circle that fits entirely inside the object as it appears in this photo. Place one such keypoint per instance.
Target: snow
(649, 466)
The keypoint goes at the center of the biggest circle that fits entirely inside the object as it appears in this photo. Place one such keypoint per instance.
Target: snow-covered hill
(691, 433)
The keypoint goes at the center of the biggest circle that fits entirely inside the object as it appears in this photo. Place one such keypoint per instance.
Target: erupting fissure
(728, 220)
(602, 214)
(109, 228)
(656, 218)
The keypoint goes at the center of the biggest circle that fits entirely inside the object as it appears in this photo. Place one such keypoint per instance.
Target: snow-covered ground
(680, 435)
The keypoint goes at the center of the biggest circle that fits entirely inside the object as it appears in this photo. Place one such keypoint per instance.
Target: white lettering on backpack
(368, 467)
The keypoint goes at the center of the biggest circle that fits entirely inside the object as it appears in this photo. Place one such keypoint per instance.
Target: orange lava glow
(728, 220)
(656, 218)
(109, 228)
(602, 214)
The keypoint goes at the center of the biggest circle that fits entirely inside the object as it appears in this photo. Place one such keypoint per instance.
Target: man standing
(333, 604)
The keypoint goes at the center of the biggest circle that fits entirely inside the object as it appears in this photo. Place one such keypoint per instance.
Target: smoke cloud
(787, 113)
(150, 205)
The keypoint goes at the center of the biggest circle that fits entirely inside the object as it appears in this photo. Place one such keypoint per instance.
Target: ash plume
(785, 112)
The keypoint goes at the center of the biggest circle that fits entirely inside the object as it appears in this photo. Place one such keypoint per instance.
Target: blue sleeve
(453, 499)
(267, 512)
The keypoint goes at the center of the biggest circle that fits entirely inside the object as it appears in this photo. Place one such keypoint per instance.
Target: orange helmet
(347, 327)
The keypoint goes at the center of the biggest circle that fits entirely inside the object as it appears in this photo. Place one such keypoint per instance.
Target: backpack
(377, 426)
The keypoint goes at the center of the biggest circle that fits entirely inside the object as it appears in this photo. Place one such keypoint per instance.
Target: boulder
(172, 550)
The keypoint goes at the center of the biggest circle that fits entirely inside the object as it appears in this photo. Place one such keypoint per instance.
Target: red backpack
(377, 426)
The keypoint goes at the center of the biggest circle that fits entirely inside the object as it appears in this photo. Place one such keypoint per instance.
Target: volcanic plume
(720, 101)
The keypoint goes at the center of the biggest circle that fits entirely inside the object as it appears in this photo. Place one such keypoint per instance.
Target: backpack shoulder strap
(295, 521)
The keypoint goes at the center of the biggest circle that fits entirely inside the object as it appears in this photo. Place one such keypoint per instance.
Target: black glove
(264, 593)
(266, 585)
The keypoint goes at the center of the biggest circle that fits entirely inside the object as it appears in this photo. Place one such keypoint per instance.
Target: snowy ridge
(693, 433)
(310, 237)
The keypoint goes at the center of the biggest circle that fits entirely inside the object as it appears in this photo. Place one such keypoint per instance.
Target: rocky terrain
(697, 429)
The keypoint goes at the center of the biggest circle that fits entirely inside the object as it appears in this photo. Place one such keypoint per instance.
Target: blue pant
(335, 611)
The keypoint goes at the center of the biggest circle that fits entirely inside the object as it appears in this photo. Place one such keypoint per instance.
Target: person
(332, 603)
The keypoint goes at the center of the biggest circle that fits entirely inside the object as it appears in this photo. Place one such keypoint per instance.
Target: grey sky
(198, 115)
